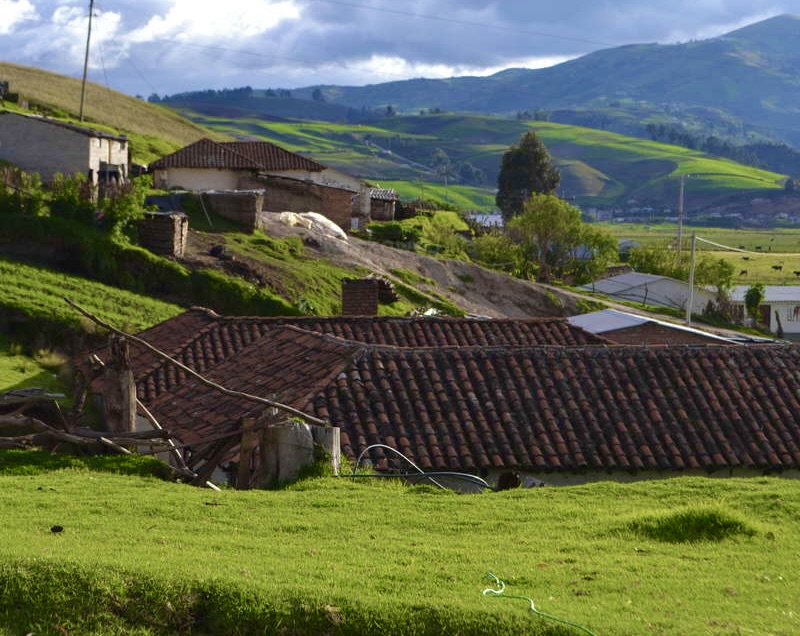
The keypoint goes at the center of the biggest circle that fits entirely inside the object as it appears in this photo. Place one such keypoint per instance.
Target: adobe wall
(164, 233)
(241, 207)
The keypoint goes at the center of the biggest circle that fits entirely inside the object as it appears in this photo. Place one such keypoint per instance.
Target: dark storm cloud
(171, 45)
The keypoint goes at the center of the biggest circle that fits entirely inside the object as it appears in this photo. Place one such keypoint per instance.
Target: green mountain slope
(598, 167)
(750, 74)
(153, 130)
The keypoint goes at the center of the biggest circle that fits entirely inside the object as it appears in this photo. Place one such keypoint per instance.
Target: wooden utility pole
(86, 58)
(680, 214)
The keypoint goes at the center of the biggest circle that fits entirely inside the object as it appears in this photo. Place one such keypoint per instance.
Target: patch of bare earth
(475, 289)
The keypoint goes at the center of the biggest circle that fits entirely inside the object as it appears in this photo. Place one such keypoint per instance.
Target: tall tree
(550, 234)
(526, 169)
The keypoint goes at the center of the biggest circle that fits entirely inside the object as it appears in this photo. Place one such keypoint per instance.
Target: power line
(481, 25)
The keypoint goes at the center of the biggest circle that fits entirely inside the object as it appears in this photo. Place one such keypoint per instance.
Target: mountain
(751, 75)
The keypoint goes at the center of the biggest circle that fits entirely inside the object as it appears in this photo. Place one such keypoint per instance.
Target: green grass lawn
(329, 556)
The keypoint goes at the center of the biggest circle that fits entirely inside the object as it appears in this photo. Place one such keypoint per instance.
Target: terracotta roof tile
(237, 155)
(541, 408)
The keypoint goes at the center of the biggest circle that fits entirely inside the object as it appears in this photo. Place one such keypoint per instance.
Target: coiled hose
(501, 593)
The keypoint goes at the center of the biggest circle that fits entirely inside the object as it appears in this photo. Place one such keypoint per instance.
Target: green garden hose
(501, 593)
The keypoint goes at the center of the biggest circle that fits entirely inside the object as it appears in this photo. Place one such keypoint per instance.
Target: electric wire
(501, 593)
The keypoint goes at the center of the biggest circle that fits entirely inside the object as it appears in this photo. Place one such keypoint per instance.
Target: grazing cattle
(777, 268)
(745, 258)
(741, 247)
(743, 272)
(758, 247)
(797, 273)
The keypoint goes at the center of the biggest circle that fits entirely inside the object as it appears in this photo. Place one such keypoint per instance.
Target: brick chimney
(360, 297)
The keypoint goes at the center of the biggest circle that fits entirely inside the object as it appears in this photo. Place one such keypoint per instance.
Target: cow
(777, 268)
(743, 272)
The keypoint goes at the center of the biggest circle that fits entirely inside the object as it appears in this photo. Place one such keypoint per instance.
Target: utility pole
(690, 300)
(680, 213)
(86, 58)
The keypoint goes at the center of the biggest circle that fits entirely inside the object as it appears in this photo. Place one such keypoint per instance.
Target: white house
(651, 289)
(48, 146)
(780, 308)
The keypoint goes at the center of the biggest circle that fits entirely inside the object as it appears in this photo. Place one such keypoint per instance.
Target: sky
(142, 47)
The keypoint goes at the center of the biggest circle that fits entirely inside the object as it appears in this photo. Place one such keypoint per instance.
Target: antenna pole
(86, 58)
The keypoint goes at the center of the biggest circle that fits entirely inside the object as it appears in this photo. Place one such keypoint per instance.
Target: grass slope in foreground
(38, 292)
(673, 557)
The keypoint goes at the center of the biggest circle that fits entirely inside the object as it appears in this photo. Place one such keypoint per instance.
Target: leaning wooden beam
(245, 396)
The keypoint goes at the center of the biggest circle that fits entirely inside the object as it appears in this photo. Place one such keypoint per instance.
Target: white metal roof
(772, 293)
(622, 282)
(607, 320)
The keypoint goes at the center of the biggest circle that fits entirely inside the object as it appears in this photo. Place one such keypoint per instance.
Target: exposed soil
(474, 289)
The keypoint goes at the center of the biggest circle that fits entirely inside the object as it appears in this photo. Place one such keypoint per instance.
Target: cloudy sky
(167, 46)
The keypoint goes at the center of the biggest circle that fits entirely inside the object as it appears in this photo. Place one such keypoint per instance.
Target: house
(382, 204)
(625, 328)
(651, 289)
(559, 414)
(293, 182)
(780, 309)
(48, 146)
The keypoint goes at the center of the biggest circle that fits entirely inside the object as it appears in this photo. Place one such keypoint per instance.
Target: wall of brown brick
(360, 297)
(164, 234)
(289, 195)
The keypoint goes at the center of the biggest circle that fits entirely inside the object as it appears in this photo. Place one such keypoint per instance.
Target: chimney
(360, 297)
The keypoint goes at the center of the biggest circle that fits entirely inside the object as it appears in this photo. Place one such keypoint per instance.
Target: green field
(767, 249)
(139, 556)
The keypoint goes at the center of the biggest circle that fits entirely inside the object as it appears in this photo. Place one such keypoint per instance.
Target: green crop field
(139, 556)
(37, 292)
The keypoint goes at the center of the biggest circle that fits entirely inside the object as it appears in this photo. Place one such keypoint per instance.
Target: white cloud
(14, 12)
(220, 21)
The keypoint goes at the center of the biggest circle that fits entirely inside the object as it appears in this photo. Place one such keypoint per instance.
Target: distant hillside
(598, 168)
(748, 77)
(154, 130)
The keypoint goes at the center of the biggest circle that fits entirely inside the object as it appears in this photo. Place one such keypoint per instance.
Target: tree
(317, 95)
(550, 234)
(753, 298)
(526, 169)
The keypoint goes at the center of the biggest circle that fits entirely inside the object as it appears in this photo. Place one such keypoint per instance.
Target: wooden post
(329, 438)
(246, 446)
(119, 397)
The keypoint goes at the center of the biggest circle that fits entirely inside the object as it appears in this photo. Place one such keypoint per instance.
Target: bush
(393, 232)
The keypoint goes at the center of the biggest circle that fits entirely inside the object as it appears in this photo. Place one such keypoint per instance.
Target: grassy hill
(598, 167)
(153, 130)
(139, 556)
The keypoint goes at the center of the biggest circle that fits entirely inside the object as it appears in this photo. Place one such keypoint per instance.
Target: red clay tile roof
(542, 409)
(237, 155)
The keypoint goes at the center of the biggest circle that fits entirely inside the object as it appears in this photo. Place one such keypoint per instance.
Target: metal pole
(690, 302)
(680, 214)
(86, 59)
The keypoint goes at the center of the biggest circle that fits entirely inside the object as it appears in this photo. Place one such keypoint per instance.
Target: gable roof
(236, 155)
(609, 322)
(81, 130)
(528, 408)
